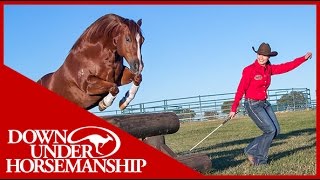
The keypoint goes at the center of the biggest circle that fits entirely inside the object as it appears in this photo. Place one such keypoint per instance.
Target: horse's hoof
(122, 107)
(102, 106)
(121, 103)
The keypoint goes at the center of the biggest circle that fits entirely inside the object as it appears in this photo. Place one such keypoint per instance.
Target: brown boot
(252, 160)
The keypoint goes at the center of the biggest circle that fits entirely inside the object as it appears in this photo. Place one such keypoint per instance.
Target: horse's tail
(45, 80)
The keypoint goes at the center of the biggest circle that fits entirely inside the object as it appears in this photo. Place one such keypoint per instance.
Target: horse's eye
(128, 39)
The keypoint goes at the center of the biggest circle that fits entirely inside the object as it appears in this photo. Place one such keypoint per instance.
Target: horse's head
(115, 33)
(128, 44)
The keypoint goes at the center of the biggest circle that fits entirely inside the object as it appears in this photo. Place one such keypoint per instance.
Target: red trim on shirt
(256, 79)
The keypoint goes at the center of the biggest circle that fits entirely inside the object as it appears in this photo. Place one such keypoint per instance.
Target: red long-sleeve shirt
(256, 79)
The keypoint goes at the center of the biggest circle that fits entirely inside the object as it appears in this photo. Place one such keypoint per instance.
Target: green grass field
(293, 152)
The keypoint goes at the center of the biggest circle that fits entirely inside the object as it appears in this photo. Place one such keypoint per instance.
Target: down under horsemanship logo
(84, 150)
(258, 77)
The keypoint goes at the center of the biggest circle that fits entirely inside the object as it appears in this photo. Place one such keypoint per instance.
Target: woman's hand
(232, 114)
(308, 56)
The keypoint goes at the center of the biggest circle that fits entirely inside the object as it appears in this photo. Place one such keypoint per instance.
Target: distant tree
(210, 114)
(226, 106)
(294, 98)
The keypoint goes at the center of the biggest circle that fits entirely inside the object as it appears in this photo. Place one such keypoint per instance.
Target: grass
(293, 152)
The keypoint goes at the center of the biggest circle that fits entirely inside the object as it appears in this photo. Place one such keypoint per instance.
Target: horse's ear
(139, 22)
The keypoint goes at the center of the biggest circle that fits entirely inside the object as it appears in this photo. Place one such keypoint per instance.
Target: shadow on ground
(227, 159)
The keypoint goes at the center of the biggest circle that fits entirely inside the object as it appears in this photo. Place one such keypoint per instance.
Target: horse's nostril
(134, 67)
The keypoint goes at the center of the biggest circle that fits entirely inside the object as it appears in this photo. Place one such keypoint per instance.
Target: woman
(254, 83)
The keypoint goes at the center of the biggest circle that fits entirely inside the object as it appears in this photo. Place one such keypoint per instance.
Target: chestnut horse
(93, 69)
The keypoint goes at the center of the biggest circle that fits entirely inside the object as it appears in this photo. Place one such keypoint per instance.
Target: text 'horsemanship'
(57, 151)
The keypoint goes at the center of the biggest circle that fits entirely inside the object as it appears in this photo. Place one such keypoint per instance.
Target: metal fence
(218, 105)
(313, 104)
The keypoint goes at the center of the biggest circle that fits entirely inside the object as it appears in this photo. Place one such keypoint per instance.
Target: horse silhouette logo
(97, 140)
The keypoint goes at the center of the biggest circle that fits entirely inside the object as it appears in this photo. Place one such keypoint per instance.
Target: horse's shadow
(227, 159)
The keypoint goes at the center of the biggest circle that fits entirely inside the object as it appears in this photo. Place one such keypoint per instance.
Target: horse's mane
(103, 28)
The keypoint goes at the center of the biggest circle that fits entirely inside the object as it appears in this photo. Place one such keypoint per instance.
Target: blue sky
(189, 50)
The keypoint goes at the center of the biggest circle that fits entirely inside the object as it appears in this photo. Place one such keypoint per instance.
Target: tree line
(294, 99)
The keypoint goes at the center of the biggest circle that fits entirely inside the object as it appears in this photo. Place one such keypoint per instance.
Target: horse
(93, 69)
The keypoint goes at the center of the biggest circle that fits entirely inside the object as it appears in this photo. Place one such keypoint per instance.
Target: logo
(97, 140)
(257, 77)
(86, 149)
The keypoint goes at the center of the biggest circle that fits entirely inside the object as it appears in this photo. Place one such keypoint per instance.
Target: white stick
(205, 137)
(225, 121)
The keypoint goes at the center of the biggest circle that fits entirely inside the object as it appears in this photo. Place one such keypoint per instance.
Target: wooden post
(199, 162)
(159, 143)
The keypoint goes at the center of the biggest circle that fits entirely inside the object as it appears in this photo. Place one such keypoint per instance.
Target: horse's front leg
(98, 86)
(127, 78)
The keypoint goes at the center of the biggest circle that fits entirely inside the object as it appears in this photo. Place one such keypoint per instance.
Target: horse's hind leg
(127, 78)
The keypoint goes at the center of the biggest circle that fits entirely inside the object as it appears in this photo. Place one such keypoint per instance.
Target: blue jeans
(263, 116)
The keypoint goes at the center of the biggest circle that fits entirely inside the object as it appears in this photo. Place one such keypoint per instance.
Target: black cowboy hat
(264, 49)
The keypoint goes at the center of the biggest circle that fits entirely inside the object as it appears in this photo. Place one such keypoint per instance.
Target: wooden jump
(146, 125)
(151, 128)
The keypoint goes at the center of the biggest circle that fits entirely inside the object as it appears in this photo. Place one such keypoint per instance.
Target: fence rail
(218, 105)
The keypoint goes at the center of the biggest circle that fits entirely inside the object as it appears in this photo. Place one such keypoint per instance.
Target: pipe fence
(217, 106)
